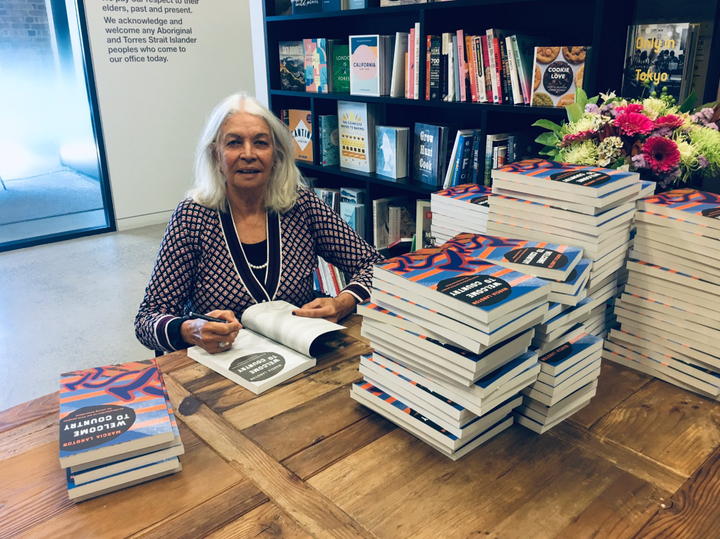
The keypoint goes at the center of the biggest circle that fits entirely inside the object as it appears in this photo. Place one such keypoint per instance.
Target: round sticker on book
(558, 78)
(537, 257)
(711, 212)
(482, 201)
(478, 290)
(587, 178)
(258, 367)
(92, 426)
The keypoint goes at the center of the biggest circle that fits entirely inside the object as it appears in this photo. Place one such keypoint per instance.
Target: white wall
(152, 113)
(258, 43)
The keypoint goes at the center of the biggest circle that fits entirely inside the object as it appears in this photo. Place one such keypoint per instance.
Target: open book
(273, 346)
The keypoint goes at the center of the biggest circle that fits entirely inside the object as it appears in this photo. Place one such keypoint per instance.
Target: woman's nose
(248, 151)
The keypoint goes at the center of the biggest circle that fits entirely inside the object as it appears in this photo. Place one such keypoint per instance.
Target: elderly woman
(248, 233)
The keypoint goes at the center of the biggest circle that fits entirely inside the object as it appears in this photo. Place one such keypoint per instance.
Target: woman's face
(245, 151)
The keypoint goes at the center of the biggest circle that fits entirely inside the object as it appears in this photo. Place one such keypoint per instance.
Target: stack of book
(668, 313)
(586, 207)
(566, 383)
(460, 327)
(117, 428)
(463, 208)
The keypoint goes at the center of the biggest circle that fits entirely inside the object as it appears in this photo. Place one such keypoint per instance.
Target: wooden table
(304, 460)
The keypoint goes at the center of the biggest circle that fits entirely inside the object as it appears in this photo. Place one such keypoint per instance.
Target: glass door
(53, 176)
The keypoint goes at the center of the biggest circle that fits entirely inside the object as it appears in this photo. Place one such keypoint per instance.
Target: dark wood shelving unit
(601, 24)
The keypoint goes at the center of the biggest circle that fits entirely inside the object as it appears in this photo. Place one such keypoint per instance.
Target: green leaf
(548, 139)
(549, 150)
(581, 98)
(617, 164)
(575, 112)
(689, 103)
(594, 100)
(547, 124)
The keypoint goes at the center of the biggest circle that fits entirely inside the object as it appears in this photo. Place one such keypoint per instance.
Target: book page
(275, 320)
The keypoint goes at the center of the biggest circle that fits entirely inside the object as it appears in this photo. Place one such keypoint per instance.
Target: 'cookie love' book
(557, 73)
(273, 346)
(110, 411)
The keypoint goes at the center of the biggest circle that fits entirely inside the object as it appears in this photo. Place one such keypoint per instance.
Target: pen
(206, 318)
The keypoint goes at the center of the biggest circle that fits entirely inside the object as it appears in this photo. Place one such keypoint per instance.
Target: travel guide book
(273, 346)
(462, 283)
(541, 259)
(562, 179)
(110, 411)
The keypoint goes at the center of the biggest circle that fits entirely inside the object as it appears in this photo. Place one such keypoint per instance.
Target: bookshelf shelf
(404, 184)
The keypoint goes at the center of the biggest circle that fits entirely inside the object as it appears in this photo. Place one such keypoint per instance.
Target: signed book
(273, 346)
(108, 412)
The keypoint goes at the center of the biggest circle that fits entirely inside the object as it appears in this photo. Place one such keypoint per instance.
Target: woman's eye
(261, 143)
(234, 143)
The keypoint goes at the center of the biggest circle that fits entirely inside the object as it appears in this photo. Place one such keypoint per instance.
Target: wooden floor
(304, 460)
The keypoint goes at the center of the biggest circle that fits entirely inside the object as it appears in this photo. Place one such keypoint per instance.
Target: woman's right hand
(211, 335)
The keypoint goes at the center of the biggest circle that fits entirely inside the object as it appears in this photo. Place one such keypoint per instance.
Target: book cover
(329, 140)
(381, 225)
(428, 146)
(306, 6)
(399, 68)
(656, 57)
(354, 215)
(292, 65)
(316, 65)
(391, 158)
(355, 195)
(469, 193)
(335, 5)
(357, 144)
(301, 130)
(357, 4)
(341, 69)
(283, 7)
(273, 346)
(696, 207)
(557, 72)
(111, 410)
(365, 65)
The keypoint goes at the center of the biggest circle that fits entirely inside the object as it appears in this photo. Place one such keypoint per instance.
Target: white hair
(285, 179)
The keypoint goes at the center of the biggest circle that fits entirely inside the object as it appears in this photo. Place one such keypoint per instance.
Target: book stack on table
(117, 428)
(463, 208)
(567, 381)
(669, 312)
(457, 330)
(586, 207)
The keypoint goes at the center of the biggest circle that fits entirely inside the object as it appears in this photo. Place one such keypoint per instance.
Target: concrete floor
(71, 305)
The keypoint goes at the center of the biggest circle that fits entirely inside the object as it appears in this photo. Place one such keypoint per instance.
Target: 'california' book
(109, 411)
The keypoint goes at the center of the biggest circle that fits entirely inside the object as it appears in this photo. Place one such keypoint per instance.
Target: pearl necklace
(261, 266)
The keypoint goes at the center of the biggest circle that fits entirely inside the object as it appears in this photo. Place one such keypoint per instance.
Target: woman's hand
(211, 335)
(332, 309)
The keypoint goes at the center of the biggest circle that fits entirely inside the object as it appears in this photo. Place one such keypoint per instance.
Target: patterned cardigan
(201, 266)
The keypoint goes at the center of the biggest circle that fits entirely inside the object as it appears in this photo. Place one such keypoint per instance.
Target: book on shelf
(399, 75)
(356, 125)
(523, 48)
(449, 76)
(494, 37)
(329, 140)
(459, 169)
(331, 44)
(355, 195)
(392, 151)
(462, 65)
(493, 159)
(416, 62)
(487, 69)
(110, 412)
(432, 74)
(557, 72)
(381, 223)
(357, 4)
(371, 64)
(354, 215)
(330, 196)
(300, 7)
(273, 346)
(316, 65)
(300, 124)
(283, 7)
(335, 5)
(659, 56)
(423, 222)
(340, 68)
(401, 222)
(430, 152)
(292, 65)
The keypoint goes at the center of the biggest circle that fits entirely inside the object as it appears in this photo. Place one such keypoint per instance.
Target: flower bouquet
(654, 137)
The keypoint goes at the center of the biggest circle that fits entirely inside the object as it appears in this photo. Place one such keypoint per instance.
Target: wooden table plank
(176, 360)
(675, 427)
(616, 384)
(209, 516)
(28, 411)
(29, 436)
(265, 522)
(619, 512)
(319, 456)
(36, 504)
(693, 511)
(314, 513)
(646, 468)
(286, 398)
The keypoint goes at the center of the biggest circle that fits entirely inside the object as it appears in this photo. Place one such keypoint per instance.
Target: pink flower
(576, 137)
(670, 121)
(634, 123)
(631, 108)
(661, 154)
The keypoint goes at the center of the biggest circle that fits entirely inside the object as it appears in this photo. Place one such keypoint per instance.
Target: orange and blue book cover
(106, 411)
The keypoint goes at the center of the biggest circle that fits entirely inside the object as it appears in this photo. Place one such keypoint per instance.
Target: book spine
(505, 71)
(480, 68)
(416, 91)
(443, 78)
(457, 161)
(407, 71)
(511, 149)
(466, 165)
(522, 80)
(462, 66)
(476, 156)
(435, 69)
(487, 70)
(321, 73)
(428, 56)
(472, 74)
(512, 67)
(456, 71)
(306, 6)
(411, 65)
(332, 270)
(498, 70)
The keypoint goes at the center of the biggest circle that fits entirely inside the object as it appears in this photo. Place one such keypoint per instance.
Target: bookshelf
(601, 24)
